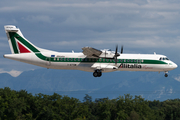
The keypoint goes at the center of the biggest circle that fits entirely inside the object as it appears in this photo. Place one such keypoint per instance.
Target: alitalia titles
(130, 66)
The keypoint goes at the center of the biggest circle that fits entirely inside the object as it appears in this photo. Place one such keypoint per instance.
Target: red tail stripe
(22, 49)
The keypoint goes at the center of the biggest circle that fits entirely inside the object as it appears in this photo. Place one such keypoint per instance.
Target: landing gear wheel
(99, 74)
(95, 74)
(166, 75)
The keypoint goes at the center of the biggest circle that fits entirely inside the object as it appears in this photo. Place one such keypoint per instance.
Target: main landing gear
(166, 74)
(97, 73)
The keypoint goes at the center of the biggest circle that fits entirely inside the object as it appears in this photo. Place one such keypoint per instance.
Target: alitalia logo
(130, 66)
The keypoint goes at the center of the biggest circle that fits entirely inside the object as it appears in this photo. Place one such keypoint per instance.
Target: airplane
(90, 59)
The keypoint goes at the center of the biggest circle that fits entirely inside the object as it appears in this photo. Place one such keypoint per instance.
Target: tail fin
(17, 42)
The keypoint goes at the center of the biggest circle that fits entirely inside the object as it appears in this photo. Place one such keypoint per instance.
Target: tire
(99, 74)
(166, 75)
(95, 74)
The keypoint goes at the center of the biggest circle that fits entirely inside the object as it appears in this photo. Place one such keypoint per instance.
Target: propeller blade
(116, 52)
(116, 55)
(121, 49)
(116, 49)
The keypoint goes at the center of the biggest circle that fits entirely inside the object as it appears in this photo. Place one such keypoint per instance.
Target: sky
(141, 26)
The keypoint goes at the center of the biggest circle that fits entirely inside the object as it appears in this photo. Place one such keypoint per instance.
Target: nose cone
(171, 65)
(175, 66)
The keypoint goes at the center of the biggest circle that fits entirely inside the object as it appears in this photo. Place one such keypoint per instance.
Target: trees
(13, 104)
(23, 105)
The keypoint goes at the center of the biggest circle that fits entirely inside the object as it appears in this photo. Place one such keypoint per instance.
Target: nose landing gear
(97, 73)
(166, 74)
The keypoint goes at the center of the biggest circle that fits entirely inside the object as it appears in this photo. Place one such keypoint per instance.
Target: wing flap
(91, 52)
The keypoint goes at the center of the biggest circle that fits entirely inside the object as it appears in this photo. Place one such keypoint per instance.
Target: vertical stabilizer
(17, 42)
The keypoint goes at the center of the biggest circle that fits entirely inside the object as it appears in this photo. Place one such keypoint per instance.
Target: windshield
(163, 58)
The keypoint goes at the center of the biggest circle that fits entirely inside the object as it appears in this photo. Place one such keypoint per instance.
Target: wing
(91, 52)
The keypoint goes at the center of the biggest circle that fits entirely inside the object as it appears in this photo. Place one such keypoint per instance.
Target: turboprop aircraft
(91, 59)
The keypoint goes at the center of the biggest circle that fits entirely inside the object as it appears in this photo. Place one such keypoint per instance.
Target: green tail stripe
(24, 42)
(27, 44)
(42, 57)
(13, 42)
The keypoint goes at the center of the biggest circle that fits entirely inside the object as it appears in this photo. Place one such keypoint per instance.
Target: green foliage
(20, 105)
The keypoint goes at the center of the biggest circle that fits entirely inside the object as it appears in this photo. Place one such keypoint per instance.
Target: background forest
(19, 105)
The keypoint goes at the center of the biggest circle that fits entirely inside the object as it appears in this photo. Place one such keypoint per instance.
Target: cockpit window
(163, 58)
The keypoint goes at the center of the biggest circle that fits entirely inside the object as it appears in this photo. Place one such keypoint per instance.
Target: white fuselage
(91, 59)
(78, 61)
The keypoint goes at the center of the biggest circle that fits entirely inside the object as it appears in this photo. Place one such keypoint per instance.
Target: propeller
(117, 54)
